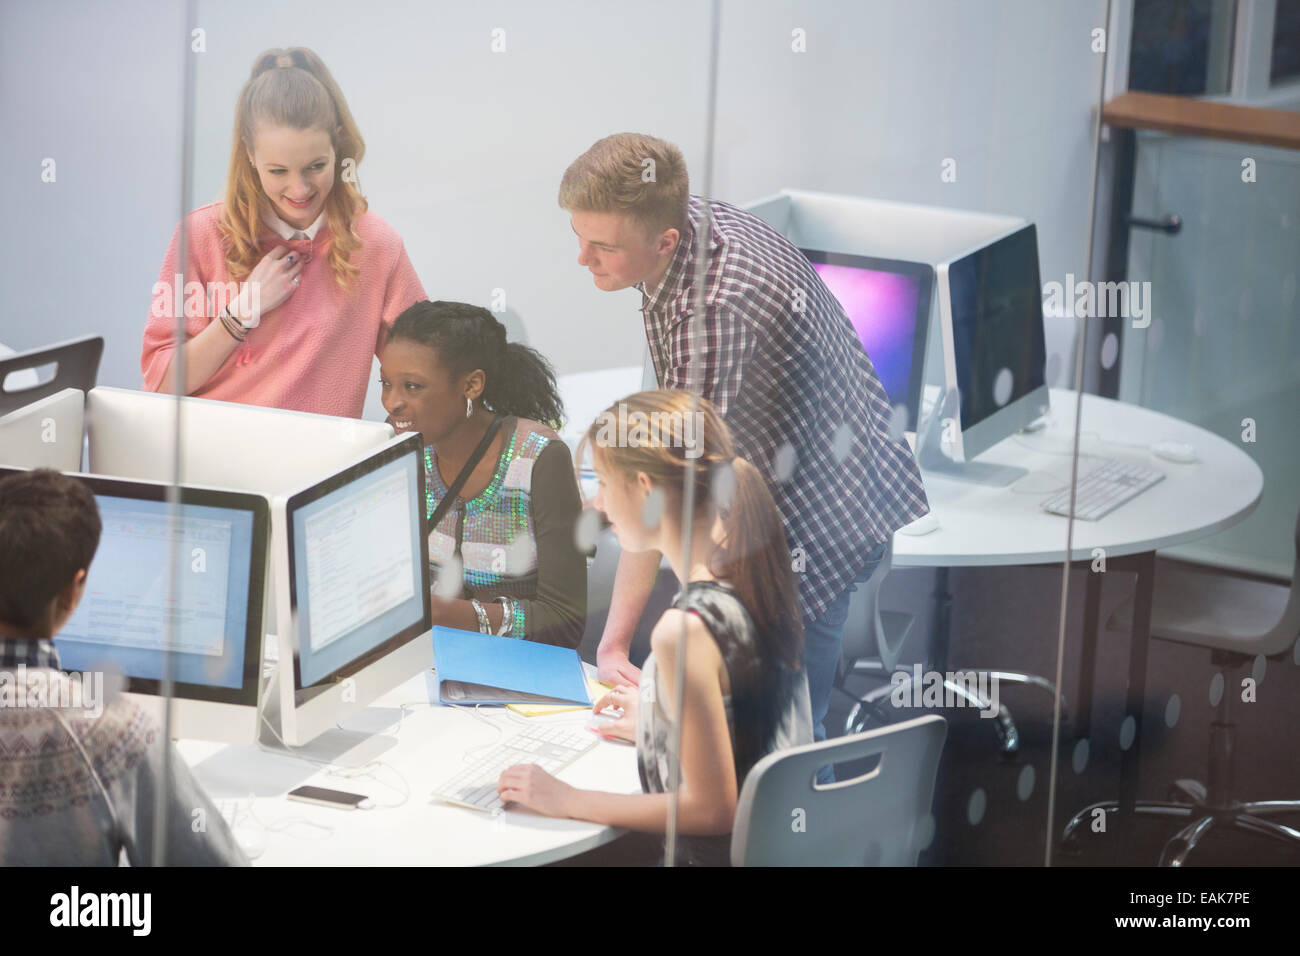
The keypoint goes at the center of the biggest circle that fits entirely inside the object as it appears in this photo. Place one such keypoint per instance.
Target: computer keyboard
(1104, 489)
(552, 748)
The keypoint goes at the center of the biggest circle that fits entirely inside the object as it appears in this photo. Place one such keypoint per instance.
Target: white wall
(96, 87)
(888, 90)
(465, 147)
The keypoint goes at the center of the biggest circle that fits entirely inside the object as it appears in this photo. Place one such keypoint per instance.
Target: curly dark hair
(466, 337)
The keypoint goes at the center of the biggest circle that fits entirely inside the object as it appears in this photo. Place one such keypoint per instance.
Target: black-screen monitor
(991, 312)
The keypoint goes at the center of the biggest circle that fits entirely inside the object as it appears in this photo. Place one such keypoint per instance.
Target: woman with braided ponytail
(501, 495)
(738, 613)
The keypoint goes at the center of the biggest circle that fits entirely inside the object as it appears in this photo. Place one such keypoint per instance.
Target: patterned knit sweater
(313, 352)
(53, 814)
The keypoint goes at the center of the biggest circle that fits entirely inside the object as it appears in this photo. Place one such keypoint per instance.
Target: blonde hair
(752, 557)
(292, 88)
(633, 174)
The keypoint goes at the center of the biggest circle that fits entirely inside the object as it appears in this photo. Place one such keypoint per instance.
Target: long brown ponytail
(664, 433)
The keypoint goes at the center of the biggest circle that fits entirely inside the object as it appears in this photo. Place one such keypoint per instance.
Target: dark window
(1286, 41)
(1181, 47)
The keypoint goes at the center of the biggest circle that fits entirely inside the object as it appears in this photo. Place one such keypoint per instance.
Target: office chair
(1237, 620)
(76, 365)
(783, 818)
(873, 642)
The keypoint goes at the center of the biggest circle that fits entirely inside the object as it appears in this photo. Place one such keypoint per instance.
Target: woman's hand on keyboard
(622, 727)
(528, 785)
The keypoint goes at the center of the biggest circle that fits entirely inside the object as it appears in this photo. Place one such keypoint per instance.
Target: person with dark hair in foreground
(79, 776)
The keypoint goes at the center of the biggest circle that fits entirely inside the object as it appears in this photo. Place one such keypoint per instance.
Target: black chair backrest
(76, 365)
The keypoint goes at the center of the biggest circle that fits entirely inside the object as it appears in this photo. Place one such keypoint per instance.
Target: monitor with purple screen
(888, 303)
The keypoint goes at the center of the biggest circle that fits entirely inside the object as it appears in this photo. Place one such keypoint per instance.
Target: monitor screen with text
(161, 579)
(356, 567)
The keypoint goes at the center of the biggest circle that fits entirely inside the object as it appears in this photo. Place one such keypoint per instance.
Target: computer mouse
(251, 839)
(922, 525)
(1176, 451)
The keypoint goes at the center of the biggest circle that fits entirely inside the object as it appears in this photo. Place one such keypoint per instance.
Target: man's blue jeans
(822, 640)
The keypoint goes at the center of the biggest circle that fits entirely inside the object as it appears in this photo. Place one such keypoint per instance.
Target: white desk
(430, 742)
(983, 526)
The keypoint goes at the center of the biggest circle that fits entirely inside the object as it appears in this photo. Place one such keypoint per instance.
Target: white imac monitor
(218, 541)
(223, 444)
(45, 434)
(354, 561)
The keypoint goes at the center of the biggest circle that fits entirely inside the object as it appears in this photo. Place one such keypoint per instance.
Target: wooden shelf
(1190, 117)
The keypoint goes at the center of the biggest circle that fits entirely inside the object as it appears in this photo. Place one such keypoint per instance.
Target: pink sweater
(312, 353)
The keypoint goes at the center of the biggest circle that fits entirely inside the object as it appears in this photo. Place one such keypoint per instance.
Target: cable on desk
(1061, 484)
(1096, 436)
(282, 825)
(500, 731)
(401, 708)
(404, 790)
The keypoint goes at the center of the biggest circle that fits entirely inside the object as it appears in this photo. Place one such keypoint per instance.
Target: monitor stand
(933, 460)
(340, 746)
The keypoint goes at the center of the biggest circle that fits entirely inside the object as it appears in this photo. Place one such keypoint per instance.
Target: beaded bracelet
(228, 321)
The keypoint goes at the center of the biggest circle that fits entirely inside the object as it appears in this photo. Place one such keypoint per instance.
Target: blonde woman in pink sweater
(291, 283)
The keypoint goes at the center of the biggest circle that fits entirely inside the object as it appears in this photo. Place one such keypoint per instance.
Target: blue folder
(478, 668)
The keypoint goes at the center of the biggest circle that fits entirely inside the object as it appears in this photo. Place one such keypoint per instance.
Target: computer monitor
(888, 303)
(216, 544)
(994, 351)
(45, 434)
(223, 444)
(354, 562)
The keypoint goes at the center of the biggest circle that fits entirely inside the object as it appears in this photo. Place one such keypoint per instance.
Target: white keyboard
(552, 748)
(1104, 489)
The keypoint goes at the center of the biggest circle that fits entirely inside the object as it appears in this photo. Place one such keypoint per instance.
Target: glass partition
(94, 106)
(926, 210)
(824, 374)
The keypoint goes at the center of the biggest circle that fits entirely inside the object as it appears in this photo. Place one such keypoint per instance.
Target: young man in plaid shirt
(775, 352)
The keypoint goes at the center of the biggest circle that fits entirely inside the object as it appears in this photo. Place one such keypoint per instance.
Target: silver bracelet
(484, 626)
(507, 616)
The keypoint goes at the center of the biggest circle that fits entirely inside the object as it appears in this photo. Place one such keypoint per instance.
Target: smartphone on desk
(338, 799)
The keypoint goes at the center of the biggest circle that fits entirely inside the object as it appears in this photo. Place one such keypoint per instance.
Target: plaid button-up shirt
(776, 353)
(29, 652)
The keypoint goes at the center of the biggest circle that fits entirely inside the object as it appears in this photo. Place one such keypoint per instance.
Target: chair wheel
(867, 717)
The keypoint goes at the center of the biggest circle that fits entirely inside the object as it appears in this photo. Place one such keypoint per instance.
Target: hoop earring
(469, 406)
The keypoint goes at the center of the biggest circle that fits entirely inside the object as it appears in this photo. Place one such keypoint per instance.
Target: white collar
(288, 232)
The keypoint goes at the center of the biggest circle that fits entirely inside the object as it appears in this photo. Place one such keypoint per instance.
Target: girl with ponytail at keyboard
(738, 614)
(291, 282)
